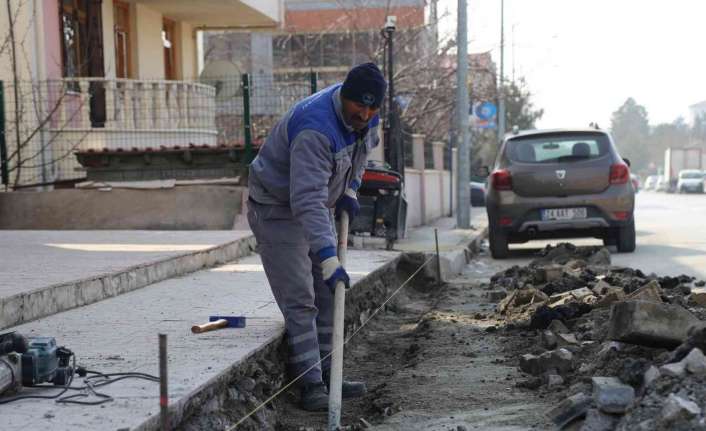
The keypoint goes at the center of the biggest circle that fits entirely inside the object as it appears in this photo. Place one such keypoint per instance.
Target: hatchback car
(565, 183)
(690, 181)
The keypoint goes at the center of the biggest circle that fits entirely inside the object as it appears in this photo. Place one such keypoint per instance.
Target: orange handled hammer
(218, 322)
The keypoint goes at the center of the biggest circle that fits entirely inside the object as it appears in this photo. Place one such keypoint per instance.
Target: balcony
(124, 114)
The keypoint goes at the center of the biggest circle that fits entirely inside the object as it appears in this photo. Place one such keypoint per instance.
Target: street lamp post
(501, 87)
(395, 154)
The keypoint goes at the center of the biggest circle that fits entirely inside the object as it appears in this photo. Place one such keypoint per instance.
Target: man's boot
(349, 389)
(314, 397)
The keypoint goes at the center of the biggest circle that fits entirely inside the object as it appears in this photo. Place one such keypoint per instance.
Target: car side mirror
(483, 171)
(627, 161)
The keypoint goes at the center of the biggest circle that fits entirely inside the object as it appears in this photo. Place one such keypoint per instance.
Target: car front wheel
(626, 238)
(498, 243)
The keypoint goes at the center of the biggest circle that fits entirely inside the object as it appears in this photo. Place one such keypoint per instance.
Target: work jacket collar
(338, 107)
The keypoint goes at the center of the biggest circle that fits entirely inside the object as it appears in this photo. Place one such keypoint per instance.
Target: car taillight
(619, 173)
(505, 221)
(502, 180)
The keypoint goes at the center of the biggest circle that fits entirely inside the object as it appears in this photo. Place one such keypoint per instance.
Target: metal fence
(44, 124)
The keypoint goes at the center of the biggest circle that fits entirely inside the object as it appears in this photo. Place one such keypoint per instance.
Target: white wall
(150, 50)
(427, 194)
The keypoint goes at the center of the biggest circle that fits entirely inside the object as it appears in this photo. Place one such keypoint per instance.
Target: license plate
(563, 213)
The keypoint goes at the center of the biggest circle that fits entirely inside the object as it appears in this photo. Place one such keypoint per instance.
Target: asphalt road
(671, 236)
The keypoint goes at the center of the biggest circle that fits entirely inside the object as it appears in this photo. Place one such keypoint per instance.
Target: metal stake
(163, 389)
(438, 259)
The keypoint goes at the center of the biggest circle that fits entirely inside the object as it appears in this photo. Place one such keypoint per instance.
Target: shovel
(339, 302)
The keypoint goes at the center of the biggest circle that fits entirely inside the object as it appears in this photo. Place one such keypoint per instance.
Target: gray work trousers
(295, 277)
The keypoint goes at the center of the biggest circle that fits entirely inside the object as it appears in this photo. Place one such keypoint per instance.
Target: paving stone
(599, 421)
(649, 292)
(612, 396)
(695, 361)
(677, 408)
(571, 408)
(650, 323)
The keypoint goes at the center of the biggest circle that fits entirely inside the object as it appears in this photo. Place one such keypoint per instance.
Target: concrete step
(47, 272)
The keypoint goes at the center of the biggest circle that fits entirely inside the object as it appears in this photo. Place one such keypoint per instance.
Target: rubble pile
(621, 350)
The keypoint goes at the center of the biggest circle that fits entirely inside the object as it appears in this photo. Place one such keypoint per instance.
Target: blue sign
(485, 111)
(484, 115)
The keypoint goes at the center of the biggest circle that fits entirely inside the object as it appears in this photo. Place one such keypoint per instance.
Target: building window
(74, 37)
(121, 13)
(169, 42)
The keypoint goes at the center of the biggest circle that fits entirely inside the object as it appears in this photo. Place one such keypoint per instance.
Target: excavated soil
(435, 359)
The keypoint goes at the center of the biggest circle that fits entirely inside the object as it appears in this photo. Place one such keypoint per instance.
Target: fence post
(246, 118)
(314, 79)
(3, 142)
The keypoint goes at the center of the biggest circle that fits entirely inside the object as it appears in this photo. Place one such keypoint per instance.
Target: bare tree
(34, 107)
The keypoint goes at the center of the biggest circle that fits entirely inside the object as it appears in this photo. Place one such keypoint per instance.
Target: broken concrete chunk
(650, 376)
(550, 273)
(695, 361)
(676, 369)
(581, 293)
(650, 323)
(601, 287)
(649, 292)
(571, 408)
(558, 327)
(566, 340)
(677, 408)
(610, 295)
(531, 364)
(554, 380)
(560, 360)
(521, 297)
(698, 296)
(601, 257)
(599, 421)
(547, 339)
(612, 396)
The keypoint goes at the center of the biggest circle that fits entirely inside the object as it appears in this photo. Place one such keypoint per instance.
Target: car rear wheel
(626, 238)
(610, 238)
(498, 243)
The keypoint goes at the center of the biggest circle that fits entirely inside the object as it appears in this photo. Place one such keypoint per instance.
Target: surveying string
(377, 310)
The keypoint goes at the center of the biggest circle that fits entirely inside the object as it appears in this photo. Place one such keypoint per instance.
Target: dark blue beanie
(365, 84)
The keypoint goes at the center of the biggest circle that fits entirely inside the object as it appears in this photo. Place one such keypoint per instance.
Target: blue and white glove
(348, 203)
(331, 268)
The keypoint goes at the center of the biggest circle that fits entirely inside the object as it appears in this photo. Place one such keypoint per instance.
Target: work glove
(331, 268)
(348, 203)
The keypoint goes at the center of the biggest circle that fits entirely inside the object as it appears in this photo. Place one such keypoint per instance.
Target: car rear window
(691, 175)
(557, 148)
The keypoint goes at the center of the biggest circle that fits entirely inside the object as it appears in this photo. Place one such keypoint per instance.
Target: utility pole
(501, 89)
(463, 186)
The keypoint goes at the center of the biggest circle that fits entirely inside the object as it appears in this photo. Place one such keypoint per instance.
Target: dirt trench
(434, 360)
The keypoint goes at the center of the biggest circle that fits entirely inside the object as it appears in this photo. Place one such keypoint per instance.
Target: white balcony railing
(128, 104)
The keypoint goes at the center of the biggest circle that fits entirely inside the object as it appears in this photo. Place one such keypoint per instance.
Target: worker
(310, 166)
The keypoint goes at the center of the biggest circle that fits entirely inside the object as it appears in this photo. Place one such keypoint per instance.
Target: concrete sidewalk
(119, 334)
(46, 272)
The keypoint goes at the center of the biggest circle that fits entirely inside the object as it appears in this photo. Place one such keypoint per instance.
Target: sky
(583, 58)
